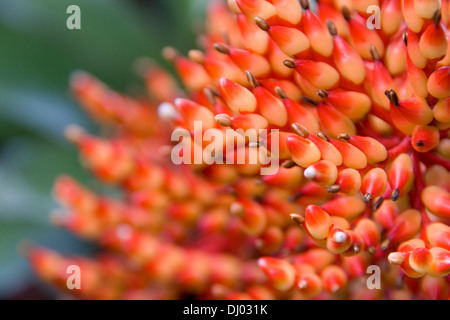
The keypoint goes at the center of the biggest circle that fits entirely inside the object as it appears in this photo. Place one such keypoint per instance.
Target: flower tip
(396, 258)
(298, 219)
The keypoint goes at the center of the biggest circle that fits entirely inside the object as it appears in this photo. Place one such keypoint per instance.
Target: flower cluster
(362, 120)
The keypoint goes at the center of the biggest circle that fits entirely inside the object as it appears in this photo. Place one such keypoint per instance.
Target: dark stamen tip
(374, 53)
(281, 93)
(437, 16)
(346, 13)
(222, 48)
(262, 24)
(405, 38)
(298, 219)
(334, 189)
(289, 64)
(395, 195)
(251, 79)
(322, 93)
(378, 203)
(332, 28)
(304, 4)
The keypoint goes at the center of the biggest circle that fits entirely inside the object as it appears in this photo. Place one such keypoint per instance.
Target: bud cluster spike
(354, 120)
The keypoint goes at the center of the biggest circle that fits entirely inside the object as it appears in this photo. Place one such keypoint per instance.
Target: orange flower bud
(374, 184)
(412, 19)
(440, 264)
(324, 173)
(348, 182)
(317, 222)
(439, 83)
(348, 62)
(425, 138)
(339, 240)
(257, 8)
(437, 200)
(280, 272)
(303, 151)
(433, 42)
(438, 234)
(352, 156)
(406, 226)
(237, 98)
(291, 41)
(334, 279)
(400, 176)
(317, 32)
(254, 39)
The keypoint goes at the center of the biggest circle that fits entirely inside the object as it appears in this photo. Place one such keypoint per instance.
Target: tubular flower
(360, 118)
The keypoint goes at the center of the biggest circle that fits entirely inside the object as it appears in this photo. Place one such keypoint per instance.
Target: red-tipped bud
(349, 63)
(238, 98)
(420, 260)
(369, 232)
(425, 138)
(246, 60)
(401, 176)
(339, 240)
(289, 10)
(386, 213)
(374, 150)
(437, 200)
(334, 121)
(391, 16)
(254, 38)
(317, 33)
(252, 216)
(441, 110)
(317, 222)
(374, 184)
(346, 207)
(426, 8)
(281, 273)
(412, 19)
(309, 284)
(320, 74)
(406, 226)
(434, 288)
(362, 38)
(270, 107)
(257, 8)
(433, 42)
(352, 156)
(192, 112)
(354, 105)
(438, 234)
(395, 58)
(440, 265)
(298, 114)
(327, 150)
(419, 60)
(324, 173)
(334, 279)
(348, 182)
(417, 78)
(303, 151)
(439, 83)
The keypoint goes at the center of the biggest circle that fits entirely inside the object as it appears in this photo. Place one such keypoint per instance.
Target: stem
(403, 147)
(429, 158)
(419, 186)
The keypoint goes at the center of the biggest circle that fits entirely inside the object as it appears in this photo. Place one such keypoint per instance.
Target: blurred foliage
(37, 55)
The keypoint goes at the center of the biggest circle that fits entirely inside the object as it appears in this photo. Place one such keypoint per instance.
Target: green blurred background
(37, 55)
